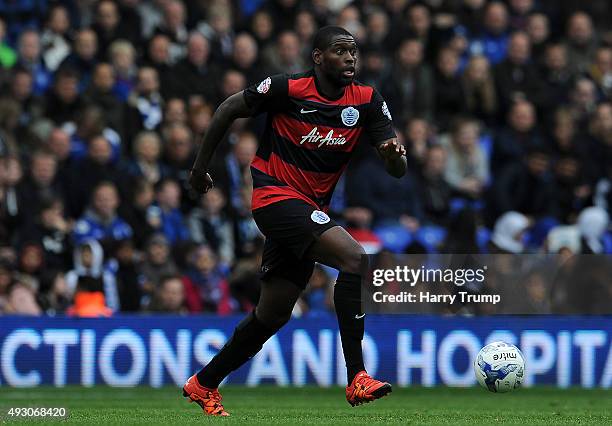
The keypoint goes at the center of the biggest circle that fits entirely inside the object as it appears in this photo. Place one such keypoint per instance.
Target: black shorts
(291, 227)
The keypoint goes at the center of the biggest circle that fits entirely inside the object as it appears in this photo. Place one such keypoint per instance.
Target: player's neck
(326, 88)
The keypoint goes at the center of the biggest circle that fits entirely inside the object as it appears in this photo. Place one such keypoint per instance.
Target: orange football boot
(364, 389)
(208, 399)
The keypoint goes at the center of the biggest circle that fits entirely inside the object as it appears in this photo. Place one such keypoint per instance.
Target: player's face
(340, 59)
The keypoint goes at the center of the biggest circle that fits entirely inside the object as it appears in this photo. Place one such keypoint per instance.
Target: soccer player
(314, 122)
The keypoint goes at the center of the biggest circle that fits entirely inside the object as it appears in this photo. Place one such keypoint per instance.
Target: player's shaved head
(327, 35)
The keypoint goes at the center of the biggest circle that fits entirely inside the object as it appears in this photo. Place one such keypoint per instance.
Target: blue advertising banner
(403, 349)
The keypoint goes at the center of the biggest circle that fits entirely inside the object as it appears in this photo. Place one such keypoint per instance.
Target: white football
(500, 367)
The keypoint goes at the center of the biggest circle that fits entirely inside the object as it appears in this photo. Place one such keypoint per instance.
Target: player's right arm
(257, 98)
(232, 108)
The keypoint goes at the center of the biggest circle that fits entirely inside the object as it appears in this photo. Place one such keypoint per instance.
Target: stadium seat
(431, 237)
(395, 238)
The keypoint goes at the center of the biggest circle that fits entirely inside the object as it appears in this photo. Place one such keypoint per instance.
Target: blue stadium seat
(483, 236)
(607, 242)
(431, 237)
(395, 238)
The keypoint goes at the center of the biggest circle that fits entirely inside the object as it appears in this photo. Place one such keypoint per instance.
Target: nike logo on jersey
(359, 316)
(307, 111)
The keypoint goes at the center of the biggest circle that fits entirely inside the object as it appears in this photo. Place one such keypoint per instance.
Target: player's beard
(341, 80)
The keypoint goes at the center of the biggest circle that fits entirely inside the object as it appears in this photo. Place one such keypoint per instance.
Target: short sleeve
(268, 94)
(379, 125)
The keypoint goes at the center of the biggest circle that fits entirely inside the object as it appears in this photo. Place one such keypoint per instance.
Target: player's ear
(317, 56)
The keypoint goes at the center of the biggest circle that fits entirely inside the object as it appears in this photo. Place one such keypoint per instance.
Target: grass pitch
(268, 405)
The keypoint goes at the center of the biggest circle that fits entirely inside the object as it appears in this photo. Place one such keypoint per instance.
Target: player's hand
(391, 150)
(200, 181)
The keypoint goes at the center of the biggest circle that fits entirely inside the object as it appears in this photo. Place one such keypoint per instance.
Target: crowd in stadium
(505, 109)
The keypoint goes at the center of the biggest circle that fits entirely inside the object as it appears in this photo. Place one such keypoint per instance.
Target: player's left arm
(379, 127)
(393, 154)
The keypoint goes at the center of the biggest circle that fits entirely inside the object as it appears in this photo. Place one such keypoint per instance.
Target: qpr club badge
(349, 116)
(264, 86)
(319, 217)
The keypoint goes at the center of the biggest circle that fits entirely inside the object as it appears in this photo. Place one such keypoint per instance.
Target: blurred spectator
(51, 231)
(583, 100)
(435, 192)
(601, 70)
(230, 173)
(22, 91)
(306, 27)
(556, 76)
(63, 101)
(199, 120)
(101, 94)
(581, 41)
(592, 224)
(146, 163)
(157, 263)
(194, 75)
(173, 26)
(526, 187)
(538, 30)
(417, 136)
(233, 82)
(206, 284)
(31, 262)
(467, 170)
(517, 137)
(286, 57)
(106, 26)
(508, 234)
(479, 89)
(29, 57)
(90, 123)
(164, 215)
(516, 76)
(600, 133)
(122, 56)
(10, 210)
(450, 97)
(158, 58)
(55, 37)
(134, 212)
(175, 111)
(8, 56)
(519, 13)
(210, 225)
(100, 220)
(96, 167)
(170, 296)
(410, 88)
(39, 183)
(179, 155)
(54, 297)
(21, 299)
(493, 41)
(262, 28)
(91, 275)
(126, 268)
(82, 59)
(145, 104)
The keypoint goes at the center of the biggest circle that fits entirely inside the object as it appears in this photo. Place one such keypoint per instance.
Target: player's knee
(353, 260)
(273, 318)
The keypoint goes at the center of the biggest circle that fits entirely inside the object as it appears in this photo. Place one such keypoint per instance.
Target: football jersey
(308, 139)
